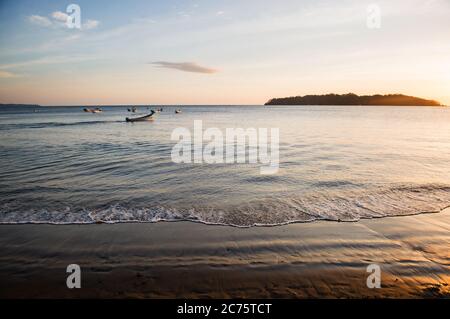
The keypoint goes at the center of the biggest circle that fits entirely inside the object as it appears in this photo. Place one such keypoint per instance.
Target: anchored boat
(96, 110)
(148, 117)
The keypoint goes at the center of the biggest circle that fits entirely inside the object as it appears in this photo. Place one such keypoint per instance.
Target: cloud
(59, 19)
(184, 14)
(6, 74)
(40, 20)
(185, 67)
(90, 24)
(60, 16)
(47, 60)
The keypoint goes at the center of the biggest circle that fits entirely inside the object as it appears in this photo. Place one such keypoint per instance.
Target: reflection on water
(336, 162)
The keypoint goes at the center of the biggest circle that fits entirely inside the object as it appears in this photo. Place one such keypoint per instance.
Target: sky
(221, 52)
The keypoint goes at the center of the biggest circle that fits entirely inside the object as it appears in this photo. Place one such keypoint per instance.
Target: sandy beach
(192, 260)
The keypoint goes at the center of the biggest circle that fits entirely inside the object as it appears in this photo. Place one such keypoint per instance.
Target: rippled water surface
(62, 165)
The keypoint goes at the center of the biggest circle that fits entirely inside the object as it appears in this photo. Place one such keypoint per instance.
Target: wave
(346, 206)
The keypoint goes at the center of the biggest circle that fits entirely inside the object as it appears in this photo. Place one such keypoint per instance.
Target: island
(353, 99)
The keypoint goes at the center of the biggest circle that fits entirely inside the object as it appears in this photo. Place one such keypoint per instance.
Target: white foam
(346, 206)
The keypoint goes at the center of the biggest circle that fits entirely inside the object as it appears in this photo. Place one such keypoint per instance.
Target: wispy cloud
(60, 16)
(184, 66)
(40, 20)
(58, 19)
(6, 75)
(90, 24)
(46, 61)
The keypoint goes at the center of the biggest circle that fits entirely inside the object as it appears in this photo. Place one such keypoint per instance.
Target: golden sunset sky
(221, 52)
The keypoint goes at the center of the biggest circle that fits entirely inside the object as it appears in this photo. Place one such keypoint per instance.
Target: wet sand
(190, 260)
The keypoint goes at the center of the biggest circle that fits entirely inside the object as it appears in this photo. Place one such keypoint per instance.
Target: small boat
(96, 110)
(148, 117)
(177, 111)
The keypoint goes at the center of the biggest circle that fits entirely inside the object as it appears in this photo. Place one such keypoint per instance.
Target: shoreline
(320, 259)
(222, 224)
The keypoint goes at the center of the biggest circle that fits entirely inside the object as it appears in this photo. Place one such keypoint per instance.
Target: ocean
(339, 163)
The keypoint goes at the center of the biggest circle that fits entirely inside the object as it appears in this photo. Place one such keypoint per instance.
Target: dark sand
(189, 260)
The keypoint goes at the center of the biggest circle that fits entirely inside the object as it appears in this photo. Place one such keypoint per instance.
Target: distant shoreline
(19, 105)
(353, 99)
(128, 105)
(288, 101)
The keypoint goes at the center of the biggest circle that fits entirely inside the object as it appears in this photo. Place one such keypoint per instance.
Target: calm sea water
(62, 165)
